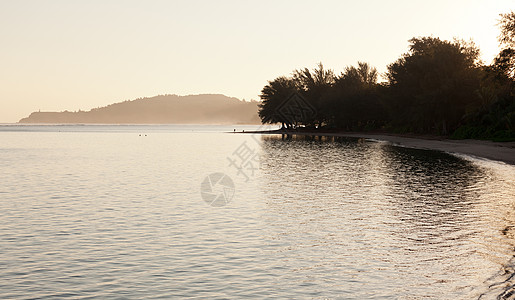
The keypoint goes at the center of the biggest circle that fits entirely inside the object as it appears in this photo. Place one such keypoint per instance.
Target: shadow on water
(449, 208)
(430, 189)
(425, 222)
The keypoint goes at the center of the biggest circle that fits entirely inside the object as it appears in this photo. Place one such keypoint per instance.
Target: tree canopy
(433, 84)
(436, 87)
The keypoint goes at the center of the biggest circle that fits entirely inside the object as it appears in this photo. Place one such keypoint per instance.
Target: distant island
(162, 109)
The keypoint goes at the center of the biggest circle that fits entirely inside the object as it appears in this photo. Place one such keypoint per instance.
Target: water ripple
(105, 214)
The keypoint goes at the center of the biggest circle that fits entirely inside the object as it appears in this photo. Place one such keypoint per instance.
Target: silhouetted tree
(313, 85)
(495, 117)
(433, 84)
(354, 102)
(436, 87)
(505, 61)
(364, 75)
(507, 26)
(272, 96)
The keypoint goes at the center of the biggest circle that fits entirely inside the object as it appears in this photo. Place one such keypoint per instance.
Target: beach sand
(499, 151)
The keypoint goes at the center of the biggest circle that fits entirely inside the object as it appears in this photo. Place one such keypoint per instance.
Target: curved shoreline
(504, 152)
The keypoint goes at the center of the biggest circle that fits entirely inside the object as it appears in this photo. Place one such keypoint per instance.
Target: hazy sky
(70, 55)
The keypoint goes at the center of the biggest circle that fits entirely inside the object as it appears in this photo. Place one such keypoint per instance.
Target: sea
(196, 211)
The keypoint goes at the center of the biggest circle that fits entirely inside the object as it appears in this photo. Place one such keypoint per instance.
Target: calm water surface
(116, 212)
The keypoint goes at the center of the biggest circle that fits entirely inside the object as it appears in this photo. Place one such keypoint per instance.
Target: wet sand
(499, 151)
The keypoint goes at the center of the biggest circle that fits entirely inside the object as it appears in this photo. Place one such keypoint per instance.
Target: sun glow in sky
(71, 55)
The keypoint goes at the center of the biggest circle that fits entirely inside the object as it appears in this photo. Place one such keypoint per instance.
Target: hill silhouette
(163, 109)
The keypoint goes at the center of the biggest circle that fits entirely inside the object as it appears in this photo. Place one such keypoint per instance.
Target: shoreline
(497, 151)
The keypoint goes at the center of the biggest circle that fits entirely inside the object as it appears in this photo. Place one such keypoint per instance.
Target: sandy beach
(499, 151)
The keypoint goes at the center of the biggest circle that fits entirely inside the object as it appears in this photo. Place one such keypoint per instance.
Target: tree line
(436, 87)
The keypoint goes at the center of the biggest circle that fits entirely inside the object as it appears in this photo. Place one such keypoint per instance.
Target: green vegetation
(437, 87)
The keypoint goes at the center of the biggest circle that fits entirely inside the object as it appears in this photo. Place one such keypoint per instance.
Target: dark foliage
(437, 87)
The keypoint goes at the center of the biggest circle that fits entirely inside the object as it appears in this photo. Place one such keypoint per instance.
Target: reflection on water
(367, 219)
(112, 214)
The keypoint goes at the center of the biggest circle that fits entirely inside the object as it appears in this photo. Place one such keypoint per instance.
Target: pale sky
(71, 55)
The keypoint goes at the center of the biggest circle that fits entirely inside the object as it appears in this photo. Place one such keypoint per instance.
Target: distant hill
(165, 109)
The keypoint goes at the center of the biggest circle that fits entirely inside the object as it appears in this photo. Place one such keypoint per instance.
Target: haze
(71, 55)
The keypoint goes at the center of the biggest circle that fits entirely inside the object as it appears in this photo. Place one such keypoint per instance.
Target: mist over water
(117, 211)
